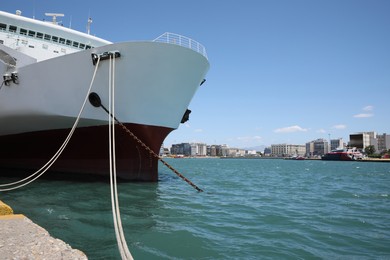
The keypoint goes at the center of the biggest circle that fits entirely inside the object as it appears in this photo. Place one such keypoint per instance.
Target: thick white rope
(60, 150)
(121, 240)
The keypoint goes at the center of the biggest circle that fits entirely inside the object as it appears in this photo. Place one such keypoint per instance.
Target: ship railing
(183, 41)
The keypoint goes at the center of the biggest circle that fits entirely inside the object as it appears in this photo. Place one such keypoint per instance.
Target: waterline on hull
(87, 151)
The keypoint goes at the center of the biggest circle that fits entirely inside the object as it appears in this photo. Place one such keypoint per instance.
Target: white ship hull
(154, 84)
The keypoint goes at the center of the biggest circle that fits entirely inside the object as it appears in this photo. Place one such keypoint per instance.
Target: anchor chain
(147, 148)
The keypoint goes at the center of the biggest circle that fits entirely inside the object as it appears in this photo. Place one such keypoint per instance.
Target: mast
(89, 25)
(54, 15)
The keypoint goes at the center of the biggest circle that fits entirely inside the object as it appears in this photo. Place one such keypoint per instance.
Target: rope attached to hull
(41, 171)
(95, 100)
(120, 237)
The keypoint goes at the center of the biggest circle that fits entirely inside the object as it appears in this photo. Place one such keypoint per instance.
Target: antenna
(54, 15)
(89, 25)
(33, 10)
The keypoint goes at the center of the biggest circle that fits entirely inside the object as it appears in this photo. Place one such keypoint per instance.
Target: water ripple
(251, 209)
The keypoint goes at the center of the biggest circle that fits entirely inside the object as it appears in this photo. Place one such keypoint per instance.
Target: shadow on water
(60, 176)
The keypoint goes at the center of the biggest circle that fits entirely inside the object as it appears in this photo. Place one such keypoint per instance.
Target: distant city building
(374, 142)
(250, 152)
(198, 149)
(212, 150)
(235, 152)
(286, 150)
(165, 152)
(317, 147)
(224, 150)
(181, 149)
(383, 142)
(314, 148)
(267, 151)
(310, 149)
(362, 140)
(336, 143)
(216, 150)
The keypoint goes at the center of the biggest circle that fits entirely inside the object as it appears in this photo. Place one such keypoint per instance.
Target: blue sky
(282, 71)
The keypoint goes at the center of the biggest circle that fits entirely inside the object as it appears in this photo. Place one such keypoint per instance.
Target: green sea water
(250, 209)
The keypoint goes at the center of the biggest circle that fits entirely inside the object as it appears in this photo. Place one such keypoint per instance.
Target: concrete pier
(20, 238)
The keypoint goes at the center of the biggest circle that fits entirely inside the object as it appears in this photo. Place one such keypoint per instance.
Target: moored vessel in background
(348, 154)
(47, 70)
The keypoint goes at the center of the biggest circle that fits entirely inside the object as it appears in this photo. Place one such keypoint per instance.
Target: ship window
(47, 37)
(39, 35)
(12, 28)
(68, 42)
(31, 33)
(54, 39)
(1, 42)
(3, 26)
(75, 44)
(88, 47)
(62, 40)
(23, 31)
(82, 46)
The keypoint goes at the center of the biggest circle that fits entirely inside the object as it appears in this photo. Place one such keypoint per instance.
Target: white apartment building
(236, 152)
(198, 149)
(383, 142)
(362, 140)
(317, 147)
(285, 150)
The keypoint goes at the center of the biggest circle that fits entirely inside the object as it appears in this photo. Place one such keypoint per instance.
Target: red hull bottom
(87, 152)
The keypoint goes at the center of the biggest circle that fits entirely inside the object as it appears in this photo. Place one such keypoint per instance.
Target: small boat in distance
(47, 70)
(341, 154)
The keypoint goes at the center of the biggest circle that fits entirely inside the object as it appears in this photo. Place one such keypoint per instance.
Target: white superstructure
(43, 40)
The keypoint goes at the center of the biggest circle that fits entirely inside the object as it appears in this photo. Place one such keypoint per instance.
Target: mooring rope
(120, 237)
(47, 166)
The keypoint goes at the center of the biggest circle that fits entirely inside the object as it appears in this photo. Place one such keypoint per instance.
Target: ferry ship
(47, 70)
(340, 154)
